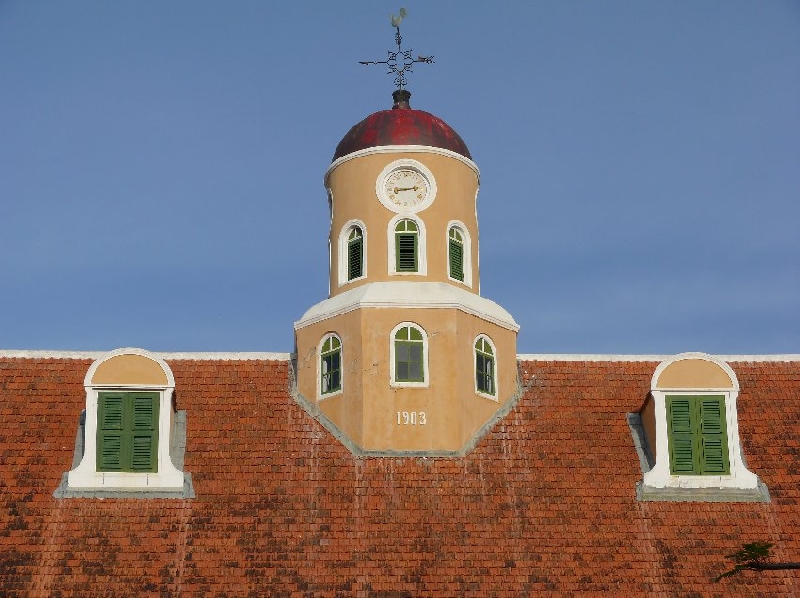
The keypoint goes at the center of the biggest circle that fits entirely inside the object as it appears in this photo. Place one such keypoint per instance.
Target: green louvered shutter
(355, 254)
(144, 433)
(456, 260)
(713, 435)
(127, 431)
(682, 453)
(698, 437)
(406, 252)
(110, 431)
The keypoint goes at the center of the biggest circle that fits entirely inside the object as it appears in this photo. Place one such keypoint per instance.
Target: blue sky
(161, 166)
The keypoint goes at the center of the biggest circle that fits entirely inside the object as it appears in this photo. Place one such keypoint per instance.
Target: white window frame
(660, 475)
(320, 395)
(480, 393)
(422, 246)
(86, 476)
(425, 358)
(467, 258)
(343, 263)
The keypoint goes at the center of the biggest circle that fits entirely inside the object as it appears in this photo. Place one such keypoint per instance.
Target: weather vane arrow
(400, 62)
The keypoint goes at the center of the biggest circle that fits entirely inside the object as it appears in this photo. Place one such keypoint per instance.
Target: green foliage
(751, 556)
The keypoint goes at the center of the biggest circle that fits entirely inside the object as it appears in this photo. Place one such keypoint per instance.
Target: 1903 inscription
(411, 418)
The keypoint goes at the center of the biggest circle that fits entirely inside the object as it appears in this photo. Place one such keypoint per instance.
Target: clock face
(406, 186)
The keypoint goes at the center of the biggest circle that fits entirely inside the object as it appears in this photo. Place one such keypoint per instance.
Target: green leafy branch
(754, 556)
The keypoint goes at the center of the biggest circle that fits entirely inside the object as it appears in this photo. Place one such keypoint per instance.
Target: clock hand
(398, 189)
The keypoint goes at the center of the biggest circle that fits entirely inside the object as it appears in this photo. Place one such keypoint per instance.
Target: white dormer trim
(167, 477)
(660, 476)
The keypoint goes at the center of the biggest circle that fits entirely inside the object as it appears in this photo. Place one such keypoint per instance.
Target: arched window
(409, 362)
(485, 376)
(352, 264)
(459, 253)
(406, 242)
(455, 254)
(355, 254)
(330, 365)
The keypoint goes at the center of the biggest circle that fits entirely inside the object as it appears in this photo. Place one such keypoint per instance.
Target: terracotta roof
(545, 503)
(402, 126)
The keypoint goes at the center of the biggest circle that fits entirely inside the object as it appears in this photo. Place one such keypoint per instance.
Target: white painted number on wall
(411, 418)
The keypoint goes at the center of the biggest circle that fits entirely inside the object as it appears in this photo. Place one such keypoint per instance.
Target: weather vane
(400, 62)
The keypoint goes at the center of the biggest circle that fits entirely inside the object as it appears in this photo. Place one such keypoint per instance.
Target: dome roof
(401, 126)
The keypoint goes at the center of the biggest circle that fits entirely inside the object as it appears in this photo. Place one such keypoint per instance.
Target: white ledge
(408, 295)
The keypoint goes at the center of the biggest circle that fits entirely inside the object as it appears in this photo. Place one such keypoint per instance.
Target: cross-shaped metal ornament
(401, 62)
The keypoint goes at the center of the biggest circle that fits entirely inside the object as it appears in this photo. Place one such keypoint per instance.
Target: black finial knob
(401, 98)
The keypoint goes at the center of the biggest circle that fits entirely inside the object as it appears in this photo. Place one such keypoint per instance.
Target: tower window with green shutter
(406, 237)
(127, 431)
(455, 254)
(698, 436)
(355, 254)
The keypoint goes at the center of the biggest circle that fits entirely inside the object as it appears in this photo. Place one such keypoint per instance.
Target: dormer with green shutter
(690, 434)
(127, 444)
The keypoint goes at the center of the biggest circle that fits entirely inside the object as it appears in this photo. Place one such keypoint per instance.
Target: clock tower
(405, 356)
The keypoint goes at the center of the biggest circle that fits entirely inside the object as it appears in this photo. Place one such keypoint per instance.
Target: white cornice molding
(264, 356)
(166, 356)
(408, 295)
(399, 149)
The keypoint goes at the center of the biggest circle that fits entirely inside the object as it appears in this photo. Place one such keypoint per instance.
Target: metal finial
(401, 62)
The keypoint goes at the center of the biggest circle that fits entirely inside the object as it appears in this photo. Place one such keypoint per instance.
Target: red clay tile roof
(545, 503)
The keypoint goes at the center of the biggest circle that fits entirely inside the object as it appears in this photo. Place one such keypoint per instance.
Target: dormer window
(130, 431)
(127, 431)
(697, 434)
(688, 434)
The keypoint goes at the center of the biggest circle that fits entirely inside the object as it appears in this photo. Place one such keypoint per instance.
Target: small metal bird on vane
(402, 65)
(396, 20)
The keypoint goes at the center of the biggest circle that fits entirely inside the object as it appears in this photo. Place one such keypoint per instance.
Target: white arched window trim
(86, 475)
(343, 261)
(425, 358)
(422, 246)
(467, 259)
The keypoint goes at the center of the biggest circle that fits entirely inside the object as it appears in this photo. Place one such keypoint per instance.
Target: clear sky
(161, 166)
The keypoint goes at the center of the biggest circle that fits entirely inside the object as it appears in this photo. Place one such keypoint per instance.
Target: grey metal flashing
(177, 450)
(646, 459)
(314, 411)
(649, 494)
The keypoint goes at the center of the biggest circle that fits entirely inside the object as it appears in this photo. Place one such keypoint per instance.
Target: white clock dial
(406, 186)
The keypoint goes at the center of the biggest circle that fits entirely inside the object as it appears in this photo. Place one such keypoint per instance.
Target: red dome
(401, 126)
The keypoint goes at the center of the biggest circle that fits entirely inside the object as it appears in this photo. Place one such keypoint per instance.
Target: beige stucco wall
(367, 409)
(129, 369)
(352, 188)
(694, 373)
